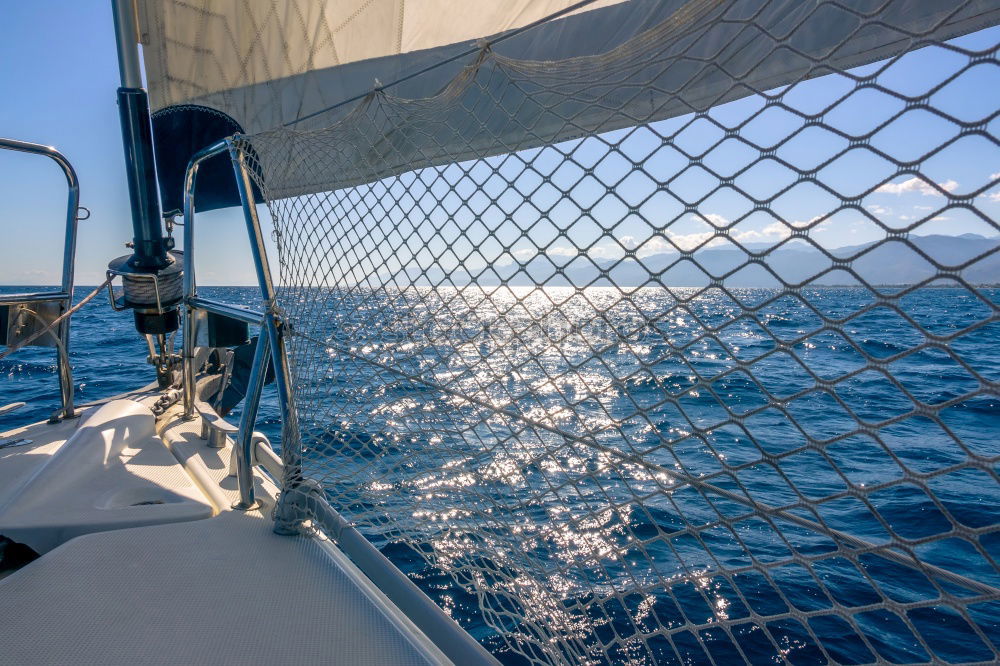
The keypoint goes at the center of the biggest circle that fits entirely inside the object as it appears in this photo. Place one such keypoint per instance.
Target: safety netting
(681, 353)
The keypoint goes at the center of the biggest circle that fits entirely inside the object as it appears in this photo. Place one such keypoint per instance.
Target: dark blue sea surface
(931, 432)
(108, 358)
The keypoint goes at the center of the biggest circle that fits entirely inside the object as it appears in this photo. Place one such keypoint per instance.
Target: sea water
(108, 358)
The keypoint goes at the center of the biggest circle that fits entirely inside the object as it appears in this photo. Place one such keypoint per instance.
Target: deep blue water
(108, 358)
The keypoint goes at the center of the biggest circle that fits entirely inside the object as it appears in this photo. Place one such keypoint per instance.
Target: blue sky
(614, 208)
(59, 75)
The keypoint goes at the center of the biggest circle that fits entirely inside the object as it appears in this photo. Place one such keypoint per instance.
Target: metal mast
(151, 277)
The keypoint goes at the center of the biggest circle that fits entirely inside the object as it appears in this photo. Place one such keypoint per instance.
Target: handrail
(237, 312)
(65, 295)
(33, 297)
(248, 419)
(267, 322)
(190, 285)
(291, 455)
(193, 303)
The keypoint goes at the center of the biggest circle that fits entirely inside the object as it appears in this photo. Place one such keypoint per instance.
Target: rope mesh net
(718, 384)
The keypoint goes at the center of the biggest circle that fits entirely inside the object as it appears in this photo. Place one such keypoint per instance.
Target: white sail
(268, 65)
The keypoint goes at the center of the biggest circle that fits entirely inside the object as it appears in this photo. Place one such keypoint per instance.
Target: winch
(153, 296)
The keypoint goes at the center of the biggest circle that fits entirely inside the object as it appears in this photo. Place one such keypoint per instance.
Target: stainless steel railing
(65, 294)
(267, 320)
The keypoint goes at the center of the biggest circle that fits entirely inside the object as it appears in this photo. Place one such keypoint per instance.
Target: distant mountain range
(891, 262)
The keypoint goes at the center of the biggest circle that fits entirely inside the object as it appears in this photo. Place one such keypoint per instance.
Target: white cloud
(563, 251)
(646, 246)
(525, 252)
(917, 185)
(656, 245)
(799, 224)
(716, 219)
(670, 241)
(879, 210)
(995, 176)
(775, 231)
(686, 241)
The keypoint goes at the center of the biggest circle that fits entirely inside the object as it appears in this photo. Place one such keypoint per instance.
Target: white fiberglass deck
(216, 591)
(112, 471)
(205, 585)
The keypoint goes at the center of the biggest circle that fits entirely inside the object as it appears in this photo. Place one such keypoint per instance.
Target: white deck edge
(406, 626)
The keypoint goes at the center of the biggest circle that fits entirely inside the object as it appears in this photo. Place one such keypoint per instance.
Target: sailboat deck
(221, 590)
